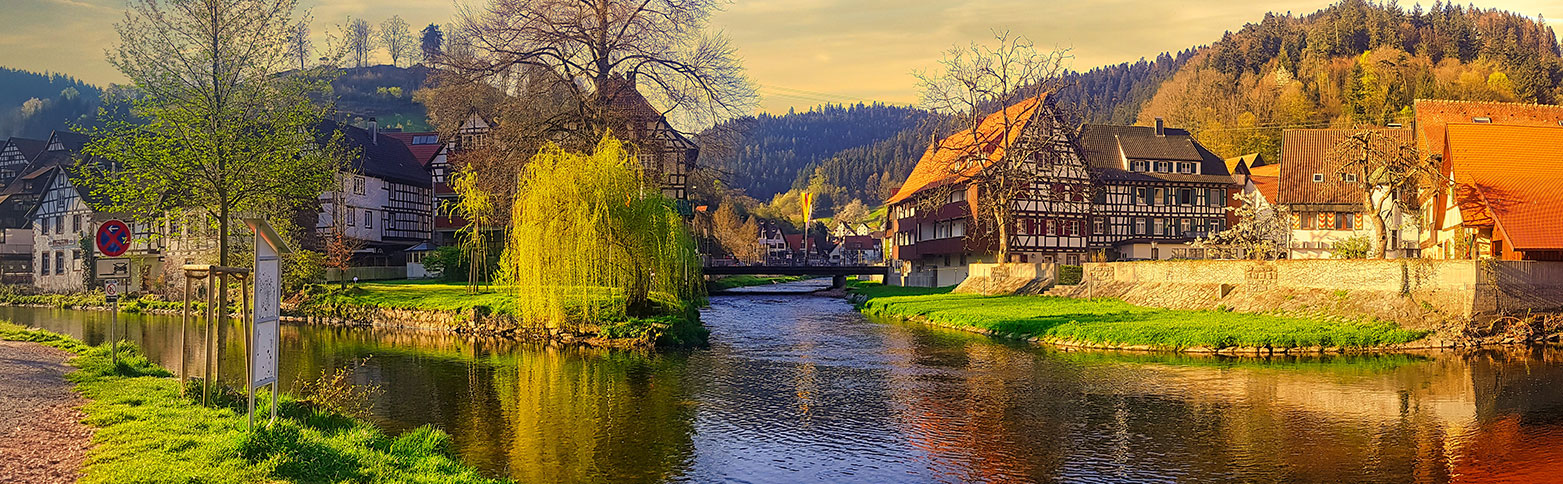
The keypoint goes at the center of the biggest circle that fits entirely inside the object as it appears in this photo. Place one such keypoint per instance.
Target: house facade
(931, 215)
(385, 200)
(1326, 203)
(1158, 190)
(665, 154)
(1487, 211)
(1458, 221)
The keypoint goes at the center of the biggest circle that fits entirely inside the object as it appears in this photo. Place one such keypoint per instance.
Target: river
(804, 389)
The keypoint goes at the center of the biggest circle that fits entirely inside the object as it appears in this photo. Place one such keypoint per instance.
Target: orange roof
(1432, 115)
(1267, 178)
(948, 161)
(1514, 172)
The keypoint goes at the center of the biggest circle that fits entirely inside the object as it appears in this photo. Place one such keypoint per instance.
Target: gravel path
(42, 438)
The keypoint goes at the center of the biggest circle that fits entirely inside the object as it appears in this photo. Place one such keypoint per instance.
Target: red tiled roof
(1514, 172)
(941, 163)
(794, 241)
(1432, 115)
(423, 152)
(859, 242)
(1305, 152)
(1266, 178)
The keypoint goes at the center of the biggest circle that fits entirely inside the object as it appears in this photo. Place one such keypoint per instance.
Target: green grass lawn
(148, 432)
(1114, 322)
(426, 295)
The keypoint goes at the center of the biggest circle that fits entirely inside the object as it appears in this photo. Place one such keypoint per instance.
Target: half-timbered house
(1326, 203)
(1158, 190)
(385, 198)
(930, 217)
(666, 155)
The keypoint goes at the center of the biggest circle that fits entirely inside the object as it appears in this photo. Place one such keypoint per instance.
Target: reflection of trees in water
(600, 416)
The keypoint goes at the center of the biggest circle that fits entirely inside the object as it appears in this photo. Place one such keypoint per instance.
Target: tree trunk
(1380, 242)
(1003, 237)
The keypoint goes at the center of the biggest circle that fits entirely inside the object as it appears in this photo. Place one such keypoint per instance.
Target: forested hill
(770, 151)
(1114, 94)
(1354, 63)
(33, 104)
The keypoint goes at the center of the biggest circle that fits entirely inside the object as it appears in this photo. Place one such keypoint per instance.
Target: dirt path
(42, 439)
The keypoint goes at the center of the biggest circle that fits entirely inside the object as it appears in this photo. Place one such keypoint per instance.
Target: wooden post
(184, 332)
(206, 342)
(244, 316)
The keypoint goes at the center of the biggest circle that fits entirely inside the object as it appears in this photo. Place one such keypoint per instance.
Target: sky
(800, 53)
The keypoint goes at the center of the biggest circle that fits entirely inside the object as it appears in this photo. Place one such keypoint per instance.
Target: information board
(268, 298)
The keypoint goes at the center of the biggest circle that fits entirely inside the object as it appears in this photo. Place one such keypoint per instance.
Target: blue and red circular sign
(113, 238)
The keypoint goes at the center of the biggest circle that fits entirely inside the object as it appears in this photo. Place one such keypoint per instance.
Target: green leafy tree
(589, 244)
(216, 129)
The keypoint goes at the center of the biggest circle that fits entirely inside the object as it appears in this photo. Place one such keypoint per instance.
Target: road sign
(112, 267)
(113, 238)
(111, 289)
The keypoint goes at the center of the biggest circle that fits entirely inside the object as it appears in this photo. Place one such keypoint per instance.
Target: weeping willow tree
(476, 206)
(592, 241)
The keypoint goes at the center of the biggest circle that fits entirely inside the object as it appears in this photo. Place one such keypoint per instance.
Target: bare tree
(299, 46)
(339, 246)
(577, 48)
(397, 39)
(740, 237)
(358, 36)
(1389, 171)
(1026, 150)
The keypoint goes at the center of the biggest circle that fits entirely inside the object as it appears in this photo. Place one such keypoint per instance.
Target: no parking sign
(113, 238)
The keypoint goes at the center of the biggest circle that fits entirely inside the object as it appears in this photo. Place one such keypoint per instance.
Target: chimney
(374, 130)
(1161, 128)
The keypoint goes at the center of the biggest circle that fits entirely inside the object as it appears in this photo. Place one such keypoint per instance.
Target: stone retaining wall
(1415, 292)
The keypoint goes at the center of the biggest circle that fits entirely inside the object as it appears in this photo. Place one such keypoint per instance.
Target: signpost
(265, 329)
(111, 296)
(113, 240)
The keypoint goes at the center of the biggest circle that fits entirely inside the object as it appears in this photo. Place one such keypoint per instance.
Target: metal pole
(206, 342)
(249, 339)
(184, 332)
(113, 339)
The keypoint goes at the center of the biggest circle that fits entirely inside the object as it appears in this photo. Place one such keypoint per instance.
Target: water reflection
(799, 389)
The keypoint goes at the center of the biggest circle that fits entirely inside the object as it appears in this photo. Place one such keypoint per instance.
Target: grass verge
(730, 282)
(148, 432)
(1116, 323)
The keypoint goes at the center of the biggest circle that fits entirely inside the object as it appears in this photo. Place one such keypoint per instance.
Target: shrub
(1070, 275)
(1356, 247)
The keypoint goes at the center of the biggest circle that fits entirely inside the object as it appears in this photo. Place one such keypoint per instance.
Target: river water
(803, 389)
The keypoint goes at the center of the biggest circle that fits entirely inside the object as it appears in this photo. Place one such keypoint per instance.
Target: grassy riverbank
(146, 431)
(674, 323)
(1111, 322)
(730, 282)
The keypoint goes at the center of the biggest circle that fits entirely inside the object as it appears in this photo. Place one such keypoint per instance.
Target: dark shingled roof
(72, 141)
(1105, 146)
(30, 148)
(386, 158)
(1305, 152)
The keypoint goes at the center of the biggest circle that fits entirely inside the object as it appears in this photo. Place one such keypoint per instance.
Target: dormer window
(1163, 167)
(1139, 165)
(1482, 119)
(1318, 178)
(1348, 177)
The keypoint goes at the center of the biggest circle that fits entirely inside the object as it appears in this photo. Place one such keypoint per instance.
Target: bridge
(837, 273)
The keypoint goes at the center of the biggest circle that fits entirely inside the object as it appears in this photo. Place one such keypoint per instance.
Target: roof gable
(382, 156)
(950, 160)
(1484, 160)
(1305, 153)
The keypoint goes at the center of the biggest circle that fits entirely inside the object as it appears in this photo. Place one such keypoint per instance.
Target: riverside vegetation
(148, 431)
(1114, 323)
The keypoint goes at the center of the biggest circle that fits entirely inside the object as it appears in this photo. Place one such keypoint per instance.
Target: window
(1140, 197)
(43, 264)
(59, 224)
(1185, 196)
(1074, 227)
(358, 185)
(368, 219)
(1343, 221)
(1185, 168)
(1214, 225)
(1052, 229)
(59, 262)
(76, 223)
(1139, 226)
(1348, 177)
(425, 140)
(1318, 178)
(1183, 226)
(1305, 220)
(1164, 167)
(76, 259)
(1160, 197)
(1156, 226)
(350, 219)
(1218, 197)
(1139, 165)
(43, 225)
(1098, 226)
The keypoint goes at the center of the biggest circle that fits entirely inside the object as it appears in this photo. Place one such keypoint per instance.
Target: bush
(448, 261)
(302, 268)
(1070, 275)
(1356, 247)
